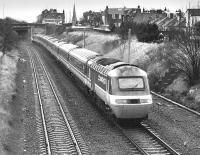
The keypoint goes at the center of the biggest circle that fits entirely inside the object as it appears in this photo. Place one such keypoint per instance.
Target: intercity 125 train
(121, 86)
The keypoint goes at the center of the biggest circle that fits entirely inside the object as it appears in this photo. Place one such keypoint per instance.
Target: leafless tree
(8, 37)
(185, 55)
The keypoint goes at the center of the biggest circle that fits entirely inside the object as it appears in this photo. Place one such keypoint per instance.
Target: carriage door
(92, 77)
(107, 90)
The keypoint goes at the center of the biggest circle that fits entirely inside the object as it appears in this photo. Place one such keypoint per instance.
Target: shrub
(110, 45)
(60, 29)
(197, 28)
(184, 55)
(76, 39)
(145, 32)
(50, 29)
(8, 37)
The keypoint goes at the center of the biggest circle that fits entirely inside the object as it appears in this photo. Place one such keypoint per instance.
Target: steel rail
(130, 139)
(178, 104)
(41, 106)
(61, 108)
(169, 148)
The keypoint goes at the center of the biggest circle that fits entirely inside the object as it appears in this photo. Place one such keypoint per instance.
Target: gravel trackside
(23, 136)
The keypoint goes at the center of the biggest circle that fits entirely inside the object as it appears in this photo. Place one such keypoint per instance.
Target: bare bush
(185, 55)
(8, 37)
(110, 45)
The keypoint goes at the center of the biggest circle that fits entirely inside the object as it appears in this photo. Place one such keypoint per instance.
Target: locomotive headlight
(121, 101)
(148, 100)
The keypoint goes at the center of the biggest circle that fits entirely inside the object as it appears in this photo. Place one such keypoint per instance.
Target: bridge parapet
(29, 24)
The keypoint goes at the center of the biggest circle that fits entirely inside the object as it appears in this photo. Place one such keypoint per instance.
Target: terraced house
(51, 17)
(192, 17)
(115, 15)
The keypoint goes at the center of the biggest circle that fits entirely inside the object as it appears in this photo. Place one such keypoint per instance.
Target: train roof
(106, 61)
(45, 36)
(83, 54)
(53, 40)
(67, 47)
(103, 65)
(58, 43)
(127, 70)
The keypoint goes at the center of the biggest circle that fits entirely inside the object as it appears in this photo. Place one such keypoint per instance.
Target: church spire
(74, 19)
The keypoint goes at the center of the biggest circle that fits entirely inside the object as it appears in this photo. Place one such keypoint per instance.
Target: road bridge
(25, 30)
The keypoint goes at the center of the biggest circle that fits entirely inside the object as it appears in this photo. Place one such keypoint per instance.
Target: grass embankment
(8, 70)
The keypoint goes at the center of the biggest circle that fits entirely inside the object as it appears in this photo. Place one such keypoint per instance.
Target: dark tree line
(8, 37)
(197, 28)
(145, 32)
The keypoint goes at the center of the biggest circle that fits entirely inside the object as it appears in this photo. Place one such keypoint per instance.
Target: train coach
(123, 87)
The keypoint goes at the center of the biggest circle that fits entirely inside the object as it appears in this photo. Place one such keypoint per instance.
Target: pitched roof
(123, 11)
(115, 10)
(52, 14)
(194, 12)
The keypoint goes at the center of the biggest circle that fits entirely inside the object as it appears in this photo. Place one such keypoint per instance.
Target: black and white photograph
(99, 77)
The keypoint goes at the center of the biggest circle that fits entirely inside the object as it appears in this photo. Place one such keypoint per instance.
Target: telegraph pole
(129, 44)
(45, 28)
(84, 38)
(31, 34)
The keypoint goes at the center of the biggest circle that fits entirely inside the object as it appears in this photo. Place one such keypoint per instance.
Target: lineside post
(129, 44)
(84, 38)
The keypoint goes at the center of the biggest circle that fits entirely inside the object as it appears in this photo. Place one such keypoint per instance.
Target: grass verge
(8, 70)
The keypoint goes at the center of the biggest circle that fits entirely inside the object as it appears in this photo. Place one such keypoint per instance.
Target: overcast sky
(28, 10)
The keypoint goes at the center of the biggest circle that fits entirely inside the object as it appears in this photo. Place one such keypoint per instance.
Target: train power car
(123, 87)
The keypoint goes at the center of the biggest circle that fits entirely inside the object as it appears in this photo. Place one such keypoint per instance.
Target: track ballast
(58, 132)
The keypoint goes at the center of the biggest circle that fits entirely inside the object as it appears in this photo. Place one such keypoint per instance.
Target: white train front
(123, 87)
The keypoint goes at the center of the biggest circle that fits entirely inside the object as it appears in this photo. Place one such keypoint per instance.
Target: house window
(113, 16)
(116, 16)
(120, 16)
(110, 16)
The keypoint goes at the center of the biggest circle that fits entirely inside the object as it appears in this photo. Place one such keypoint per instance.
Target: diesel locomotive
(121, 86)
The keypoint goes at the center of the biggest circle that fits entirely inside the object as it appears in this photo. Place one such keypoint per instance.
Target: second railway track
(60, 135)
(146, 140)
(158, 96)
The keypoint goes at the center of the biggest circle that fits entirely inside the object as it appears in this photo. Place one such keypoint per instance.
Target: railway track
(143, 139)
(146, 140)
(58, 133)
(158, 96)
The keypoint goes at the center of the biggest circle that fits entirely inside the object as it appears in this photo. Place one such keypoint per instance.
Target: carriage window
(131, 83)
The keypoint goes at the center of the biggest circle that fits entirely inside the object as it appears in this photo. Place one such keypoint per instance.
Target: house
(51, 17)
(192, 17)
(115, 15)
